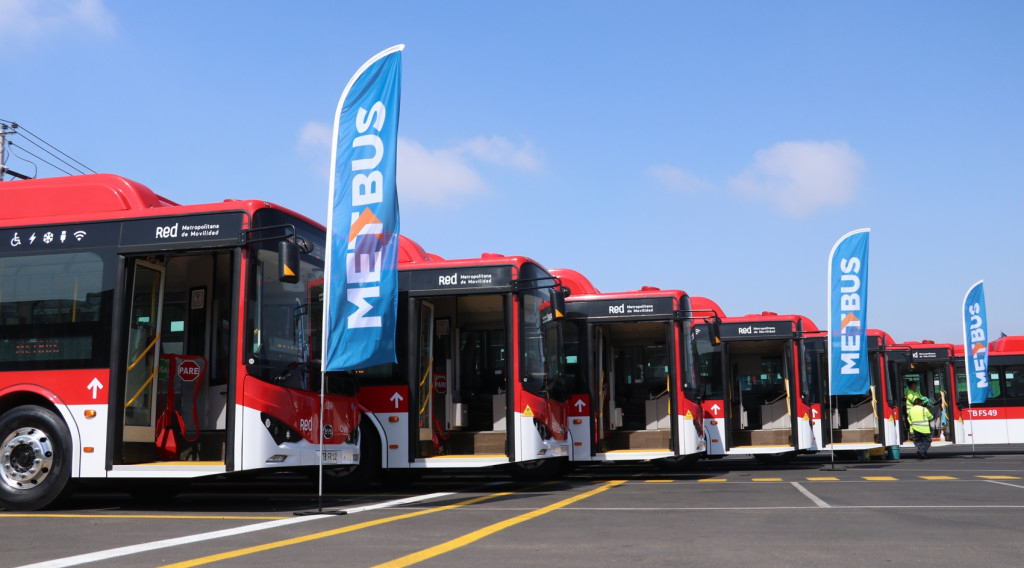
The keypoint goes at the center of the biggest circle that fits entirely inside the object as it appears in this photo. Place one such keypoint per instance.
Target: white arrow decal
(396, 398)
(94, 386)
(715, 408)
(579, 404)
(814, 412)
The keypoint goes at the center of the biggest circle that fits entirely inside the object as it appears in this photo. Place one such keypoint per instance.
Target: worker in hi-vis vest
(910, 394)
(920, 427)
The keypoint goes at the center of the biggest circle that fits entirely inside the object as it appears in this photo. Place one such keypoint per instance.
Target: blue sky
(719, 148)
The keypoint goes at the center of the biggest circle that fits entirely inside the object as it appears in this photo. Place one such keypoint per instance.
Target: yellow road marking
(879, 478)
(487, 531)
(711, 480)
(822, 479)
(658, 480)
(766, 479)
(937, 477)
(998, 477)
(325, 534)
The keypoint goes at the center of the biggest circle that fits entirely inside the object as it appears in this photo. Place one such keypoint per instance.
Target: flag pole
(828, 345)
(967, 370)
(354, 341)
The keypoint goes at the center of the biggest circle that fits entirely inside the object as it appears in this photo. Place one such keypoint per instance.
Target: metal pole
(3, 145)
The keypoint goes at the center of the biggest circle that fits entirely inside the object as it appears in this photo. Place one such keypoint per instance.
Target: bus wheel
(677, 463)
(539, 470)
(781, 458)
(154, 492)
(354, 478)
(35, 458)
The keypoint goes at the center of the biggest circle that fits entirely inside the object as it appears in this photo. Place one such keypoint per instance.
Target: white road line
(137, 548)
(817, 501)
(1005, 483)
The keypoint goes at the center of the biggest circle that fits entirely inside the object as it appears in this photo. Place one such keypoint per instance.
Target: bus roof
(411, 251)
(94, 197)
(76, 195)
(804, 321)
(577, 283)
(628, 294)
(927, 344)
(433, 261)
(1007, 344)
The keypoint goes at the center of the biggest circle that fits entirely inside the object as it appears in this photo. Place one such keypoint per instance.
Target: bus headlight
(279, 431)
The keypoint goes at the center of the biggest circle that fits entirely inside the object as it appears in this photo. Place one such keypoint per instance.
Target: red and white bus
(635, 394)
(1000, 419)
(140, 338)
(481, 376)
(760, 400)
(856, 422)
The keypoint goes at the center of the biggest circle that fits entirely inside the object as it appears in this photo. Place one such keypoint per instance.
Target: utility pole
(3, 145)
(3, 156)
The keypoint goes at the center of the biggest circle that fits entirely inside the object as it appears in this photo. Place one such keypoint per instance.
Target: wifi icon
(79, 235)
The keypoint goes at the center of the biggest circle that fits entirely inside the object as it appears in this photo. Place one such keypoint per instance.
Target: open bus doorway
(462, 387)
(758, 389)
(174, 396)
(846, 422)
(634, 386)
(930, 366)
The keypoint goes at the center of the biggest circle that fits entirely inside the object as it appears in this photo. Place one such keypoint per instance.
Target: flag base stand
(305, 513)
(832, 467)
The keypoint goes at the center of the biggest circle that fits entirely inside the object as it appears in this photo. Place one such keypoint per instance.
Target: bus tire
(781, 458)
(539, 470)
(354, 478)
(35, 459)
(677, 463)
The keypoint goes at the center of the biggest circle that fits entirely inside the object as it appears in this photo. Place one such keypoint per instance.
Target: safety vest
(911, 396)
(920, 419)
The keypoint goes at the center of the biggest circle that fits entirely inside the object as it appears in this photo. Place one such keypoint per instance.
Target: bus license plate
(330, 456)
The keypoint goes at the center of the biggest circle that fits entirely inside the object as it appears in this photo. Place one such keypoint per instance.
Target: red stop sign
(188, 370)
(440, 384)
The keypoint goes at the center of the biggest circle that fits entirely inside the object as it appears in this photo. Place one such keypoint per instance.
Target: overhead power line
(33, 145)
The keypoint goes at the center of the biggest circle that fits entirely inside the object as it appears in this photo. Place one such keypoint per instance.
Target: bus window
(1013, 376)
(708, 360)
(994, 384)
(53, 308)
(542, 347)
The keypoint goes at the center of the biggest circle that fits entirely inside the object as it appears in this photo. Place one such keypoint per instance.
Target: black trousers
(922, 441)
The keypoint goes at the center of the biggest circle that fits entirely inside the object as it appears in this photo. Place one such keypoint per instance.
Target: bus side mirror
(557, 303)
(714, 330)
(288, 261)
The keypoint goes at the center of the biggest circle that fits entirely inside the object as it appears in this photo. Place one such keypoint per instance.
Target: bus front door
(760, 389)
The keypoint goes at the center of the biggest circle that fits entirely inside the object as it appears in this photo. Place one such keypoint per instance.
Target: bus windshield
(284, 319)
(543, 353)
(708, 362)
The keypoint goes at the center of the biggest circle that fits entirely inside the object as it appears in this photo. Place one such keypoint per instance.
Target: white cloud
(315, 136)
(499, 151)
(801, 177)
(433, 176)
(29, 21)
(676, 178)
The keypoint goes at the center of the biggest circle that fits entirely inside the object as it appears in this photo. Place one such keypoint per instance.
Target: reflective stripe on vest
(919, 419)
